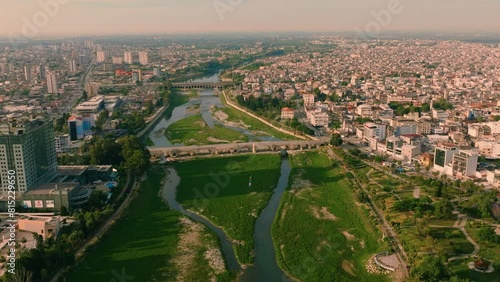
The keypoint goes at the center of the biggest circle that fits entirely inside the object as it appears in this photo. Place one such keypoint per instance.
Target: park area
(435, 217)
(321, 232)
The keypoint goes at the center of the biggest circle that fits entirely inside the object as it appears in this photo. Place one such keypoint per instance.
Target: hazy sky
(96, 17)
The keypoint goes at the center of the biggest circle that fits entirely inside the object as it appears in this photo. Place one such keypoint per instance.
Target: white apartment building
(143, 57)
(51, 83)
(489, 149)
(465, 163)
(63, 143)
(308, 99)
(128, 58)
(377, 131)
(364, 111)
(319, 118)
(101, 56)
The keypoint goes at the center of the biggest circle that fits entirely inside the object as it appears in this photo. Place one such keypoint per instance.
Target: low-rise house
(287, 113)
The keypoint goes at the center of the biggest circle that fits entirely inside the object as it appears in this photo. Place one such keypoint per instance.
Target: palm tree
(22, 275)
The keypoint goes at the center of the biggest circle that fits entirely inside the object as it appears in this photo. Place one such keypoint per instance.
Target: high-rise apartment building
(128, 58)
(101, 56)
(41, 72)
(27, 148)
(27, 73)
(143, 57)
(72, 66)
(51, 83)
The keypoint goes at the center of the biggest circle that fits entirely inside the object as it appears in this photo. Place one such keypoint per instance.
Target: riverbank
(141, 243)
(220, 190)
(321, 233)
(265, 123)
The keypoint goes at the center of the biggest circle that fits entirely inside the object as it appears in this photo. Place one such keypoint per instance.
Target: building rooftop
(71, 170)
(49, 188)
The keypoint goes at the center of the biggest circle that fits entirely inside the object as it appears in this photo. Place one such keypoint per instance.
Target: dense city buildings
(388, 118)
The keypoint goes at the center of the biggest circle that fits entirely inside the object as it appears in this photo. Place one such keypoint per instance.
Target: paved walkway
(460, 225)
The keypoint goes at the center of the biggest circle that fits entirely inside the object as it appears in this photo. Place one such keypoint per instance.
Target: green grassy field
(194, 131)
(320, 233)
(487, 250)
(255, 124)
(219, 190)
(460, 268)
(143, 244)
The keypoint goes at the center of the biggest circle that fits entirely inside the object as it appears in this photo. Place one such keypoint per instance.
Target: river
(265, 267)
(207, 99)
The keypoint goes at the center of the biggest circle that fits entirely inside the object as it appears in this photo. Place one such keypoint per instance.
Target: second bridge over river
(233, 148)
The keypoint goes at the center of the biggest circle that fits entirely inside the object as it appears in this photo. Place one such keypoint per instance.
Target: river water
(264, 267)
(208, 98)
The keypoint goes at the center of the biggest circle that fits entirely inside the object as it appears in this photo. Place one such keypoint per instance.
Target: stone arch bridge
(197, 85)
(233, 148)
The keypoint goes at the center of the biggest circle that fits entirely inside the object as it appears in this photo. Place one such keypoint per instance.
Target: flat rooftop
(71, 170)
(49, 188)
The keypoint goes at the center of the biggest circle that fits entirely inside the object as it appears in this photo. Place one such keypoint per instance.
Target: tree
(136, 158)
(102, 118)
(488, 234)
(417, 167)
(336, 140)
(443, 209)
(64, 211)
(430, 269)
(84, 95)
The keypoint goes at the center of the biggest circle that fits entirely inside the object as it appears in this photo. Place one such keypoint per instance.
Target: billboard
(49, 204)
(38, 204)
(27, 204)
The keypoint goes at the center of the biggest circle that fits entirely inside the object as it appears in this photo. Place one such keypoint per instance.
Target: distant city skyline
(41, 18)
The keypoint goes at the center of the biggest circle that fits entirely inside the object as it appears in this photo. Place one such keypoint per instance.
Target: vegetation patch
(315, 249)
(234, 115)
(194, 131)
(142, 243)
(219, 190)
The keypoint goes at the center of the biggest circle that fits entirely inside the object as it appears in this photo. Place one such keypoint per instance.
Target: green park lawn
(320, 232)
(460, 268)
(194, 131)
(143, 243)
(487, 250)
(219, 190)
